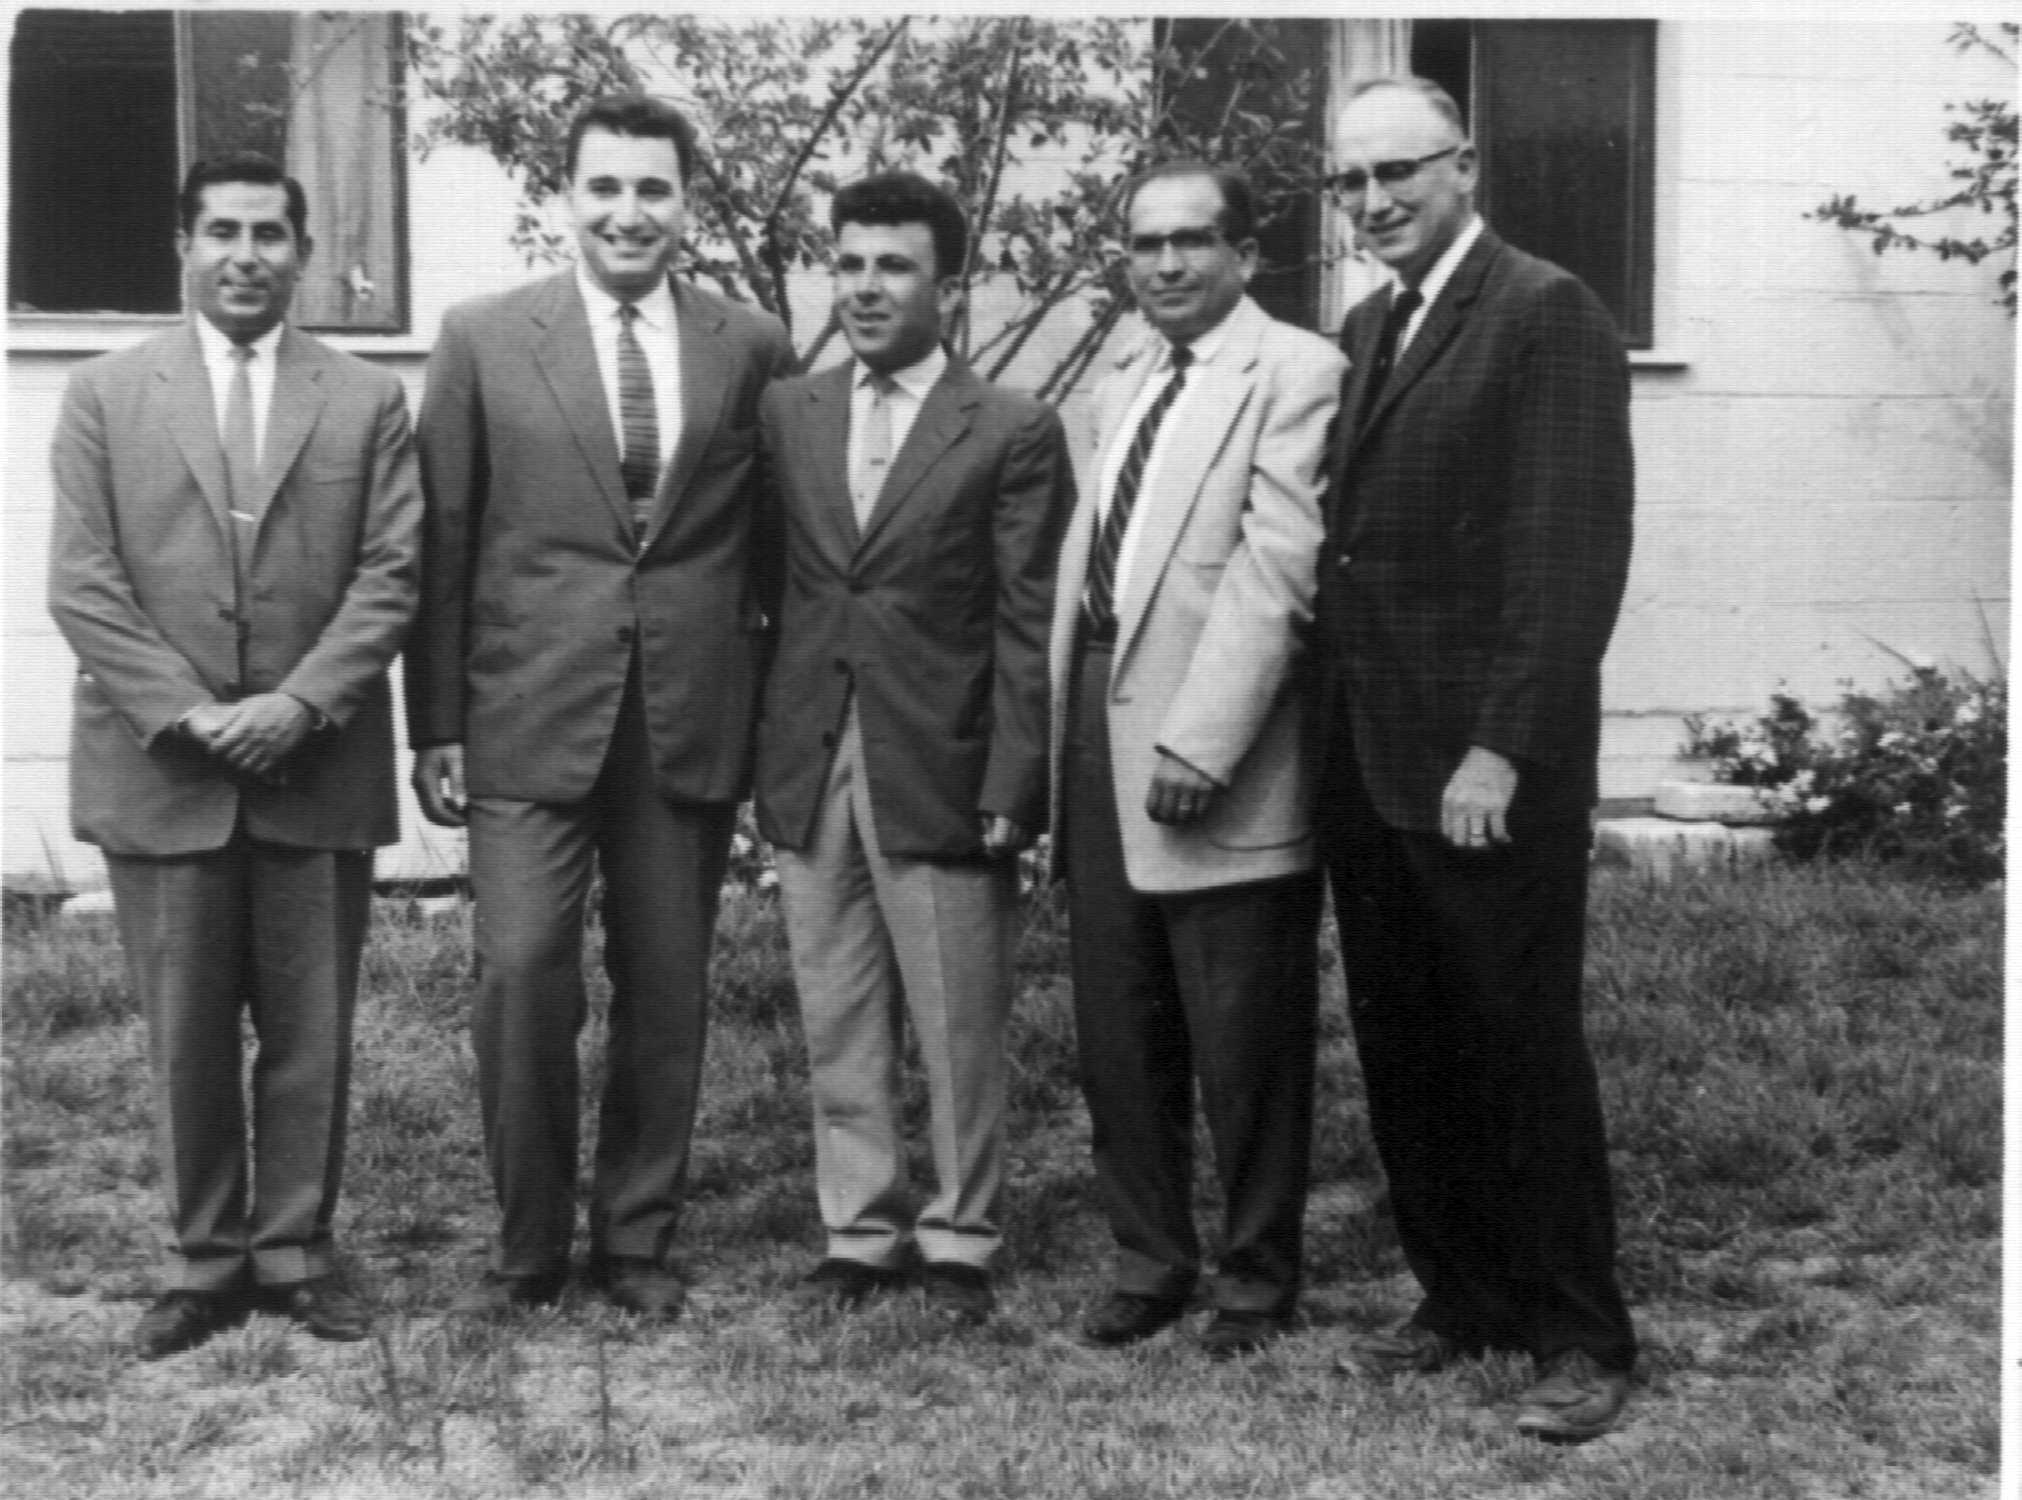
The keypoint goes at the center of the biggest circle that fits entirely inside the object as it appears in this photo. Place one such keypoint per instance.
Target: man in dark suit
(1478, 535)
(902, 754)
(582, 689)
(233, 561)
(1183, 808)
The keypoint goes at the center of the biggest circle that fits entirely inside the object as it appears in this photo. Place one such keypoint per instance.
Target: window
(109, 108)
(1268, 65)
(1562, 113)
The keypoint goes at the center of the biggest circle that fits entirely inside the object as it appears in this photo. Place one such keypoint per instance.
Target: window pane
(107, 109)
(345, 143)
(1562, 113)
(238, 80)
(93, 163)
(1267, 65)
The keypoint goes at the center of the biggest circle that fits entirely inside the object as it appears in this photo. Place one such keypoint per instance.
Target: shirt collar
(218, 349)
(915, 380)
(1204, 349)
(1449, 261)
(656, 308)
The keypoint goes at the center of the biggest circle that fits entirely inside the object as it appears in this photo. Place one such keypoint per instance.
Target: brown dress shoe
(326, 1308)
(1408, 1349)
(1128, 1317)
(497, 1294)
(640, 1286)
(1239, 1330)
(962, 1291)
(1574, 1401)
(849, 1284)
(183, 1319)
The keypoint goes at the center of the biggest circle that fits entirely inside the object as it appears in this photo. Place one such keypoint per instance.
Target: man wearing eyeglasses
(1478, 532)
(1182, 820)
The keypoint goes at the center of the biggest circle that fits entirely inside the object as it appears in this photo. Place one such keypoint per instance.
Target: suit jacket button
(827, 740)
(842, 666)
(1342, 561)
(624, 635)
(227, 615)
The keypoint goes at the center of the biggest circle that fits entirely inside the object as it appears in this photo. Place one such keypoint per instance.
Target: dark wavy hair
(907, 198)
(241, 166)
(636, 115)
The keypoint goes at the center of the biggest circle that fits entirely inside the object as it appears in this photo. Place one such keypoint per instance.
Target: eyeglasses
(1354, 182)
(1186, 243)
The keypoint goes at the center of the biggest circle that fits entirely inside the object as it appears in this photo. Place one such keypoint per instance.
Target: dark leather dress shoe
(642, 1287)
(325, 1307)
(1128, 1317)
(1575, 1400)
(1239, 1330)
(849, 1284)
(1408, 1349)
(182, 1319)
(498, 1294)
(962, 1291)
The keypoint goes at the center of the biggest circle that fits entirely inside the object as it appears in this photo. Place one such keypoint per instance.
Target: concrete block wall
(1824, 437)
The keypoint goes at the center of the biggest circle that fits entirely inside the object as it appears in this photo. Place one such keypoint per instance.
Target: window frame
(86, 331)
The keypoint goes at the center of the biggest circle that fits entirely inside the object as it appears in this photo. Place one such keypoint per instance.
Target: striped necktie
(640, 418)
(1099, 602)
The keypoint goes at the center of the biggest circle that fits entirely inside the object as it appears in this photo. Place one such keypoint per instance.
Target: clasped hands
(253, 736)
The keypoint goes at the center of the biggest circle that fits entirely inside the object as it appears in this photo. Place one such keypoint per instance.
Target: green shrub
(1916, 774)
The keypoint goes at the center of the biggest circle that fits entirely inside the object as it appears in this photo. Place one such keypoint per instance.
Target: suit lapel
(824, 448)
(709, 364)
(1191, 439)
(299, 394)
(568, 362)
(1442, 320)
(1113, 401)
(943, 421)
(1360, 332)
(185, 390)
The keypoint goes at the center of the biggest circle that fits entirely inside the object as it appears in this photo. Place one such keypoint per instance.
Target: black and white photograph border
(1796, 958)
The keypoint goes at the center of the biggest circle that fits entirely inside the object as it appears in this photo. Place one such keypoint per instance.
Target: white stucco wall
(1823, 437)
(1824, 477)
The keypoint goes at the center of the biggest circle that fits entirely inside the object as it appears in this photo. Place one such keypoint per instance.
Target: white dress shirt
(1185, 409)
(217, 353)
(659, 339)
(909, 393)
(1437, 278)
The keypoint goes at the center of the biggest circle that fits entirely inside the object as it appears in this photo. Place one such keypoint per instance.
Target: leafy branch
(1985, 182)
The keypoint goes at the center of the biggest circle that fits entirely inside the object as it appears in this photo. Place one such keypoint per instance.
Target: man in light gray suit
(233, 561)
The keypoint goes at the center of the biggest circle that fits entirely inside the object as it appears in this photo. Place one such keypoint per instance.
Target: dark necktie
(640, 418)
(1099, 601)
(1403, 303)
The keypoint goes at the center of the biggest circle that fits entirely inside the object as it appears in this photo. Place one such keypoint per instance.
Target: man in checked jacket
(1478, 531)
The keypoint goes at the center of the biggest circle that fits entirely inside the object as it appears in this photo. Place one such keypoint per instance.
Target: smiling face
(889, 294)
(241, 258)
(1186, 275)
(628, 206)
(1409, 224)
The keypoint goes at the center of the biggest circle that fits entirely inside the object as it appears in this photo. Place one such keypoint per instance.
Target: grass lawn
(1803, 1076)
